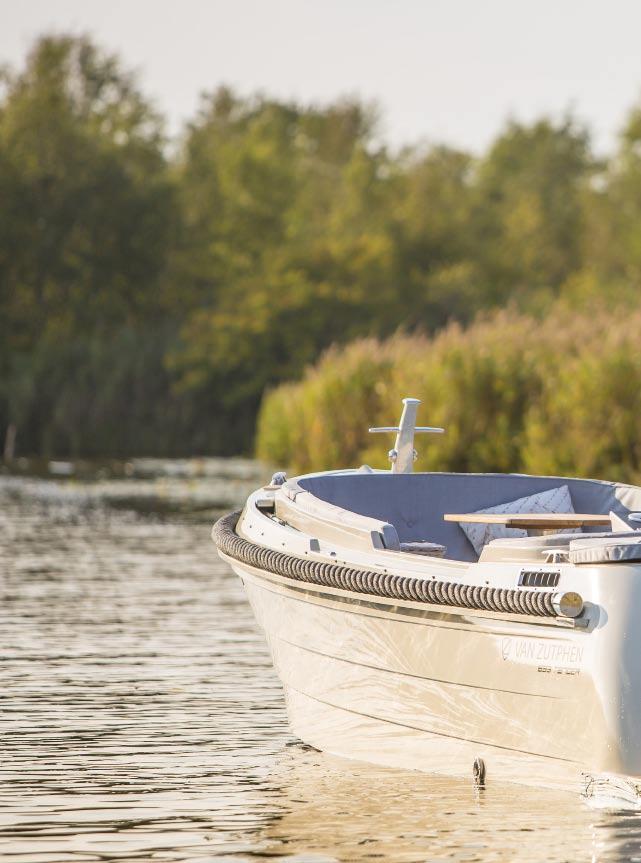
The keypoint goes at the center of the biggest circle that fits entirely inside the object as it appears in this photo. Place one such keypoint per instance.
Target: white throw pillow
(554, 500)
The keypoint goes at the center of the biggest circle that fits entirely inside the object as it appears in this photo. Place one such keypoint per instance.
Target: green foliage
(86, 204)
(297, 422)
(513, 393)
(529, 194)
(150, 296)
(277, 255)
(85, 221)
(585, 420)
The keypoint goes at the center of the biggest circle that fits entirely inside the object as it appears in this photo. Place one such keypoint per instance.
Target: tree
(285, 247)
(87, 206)
(529, 208)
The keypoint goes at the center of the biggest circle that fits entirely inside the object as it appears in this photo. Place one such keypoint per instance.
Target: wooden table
(535, 522)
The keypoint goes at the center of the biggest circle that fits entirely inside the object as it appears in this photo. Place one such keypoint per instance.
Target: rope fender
(388, 585)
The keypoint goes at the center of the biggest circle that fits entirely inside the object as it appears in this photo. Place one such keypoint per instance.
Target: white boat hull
(404, 686)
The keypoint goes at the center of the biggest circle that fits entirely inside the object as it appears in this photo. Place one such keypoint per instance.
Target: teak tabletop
(531, 520)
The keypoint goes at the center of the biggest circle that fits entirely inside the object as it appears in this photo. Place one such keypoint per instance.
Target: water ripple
(141, 719)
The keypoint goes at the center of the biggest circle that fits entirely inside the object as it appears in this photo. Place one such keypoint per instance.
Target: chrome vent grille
(539, 578)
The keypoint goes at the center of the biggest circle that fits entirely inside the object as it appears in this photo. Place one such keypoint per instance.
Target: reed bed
(514, 392)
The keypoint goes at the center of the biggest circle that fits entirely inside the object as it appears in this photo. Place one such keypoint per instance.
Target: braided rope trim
(388, 585)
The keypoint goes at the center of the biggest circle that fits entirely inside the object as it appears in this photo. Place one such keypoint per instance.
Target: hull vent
(539, 578)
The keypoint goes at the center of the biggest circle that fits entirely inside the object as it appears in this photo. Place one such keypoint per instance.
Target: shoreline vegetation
(515, 393)
(154, 293)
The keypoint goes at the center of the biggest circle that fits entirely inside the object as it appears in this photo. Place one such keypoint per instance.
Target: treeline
(151, 290)
(513, 394)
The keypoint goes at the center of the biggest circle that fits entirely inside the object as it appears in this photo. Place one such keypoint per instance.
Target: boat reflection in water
(335, 809)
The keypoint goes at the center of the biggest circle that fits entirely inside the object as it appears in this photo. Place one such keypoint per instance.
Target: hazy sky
(441, 71)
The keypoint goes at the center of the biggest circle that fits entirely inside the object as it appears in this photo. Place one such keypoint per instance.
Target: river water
(141, 719)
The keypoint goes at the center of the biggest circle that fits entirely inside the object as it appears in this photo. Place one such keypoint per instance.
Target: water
(141, 719)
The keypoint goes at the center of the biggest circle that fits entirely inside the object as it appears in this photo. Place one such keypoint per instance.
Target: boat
(467, 624)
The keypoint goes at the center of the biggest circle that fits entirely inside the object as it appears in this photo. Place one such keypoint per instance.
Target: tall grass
(514, 393)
